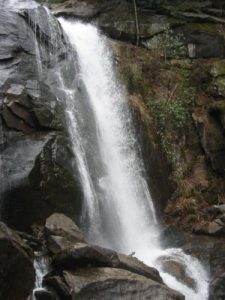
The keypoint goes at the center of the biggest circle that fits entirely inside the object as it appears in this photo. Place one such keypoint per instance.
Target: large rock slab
(84, 255)
(108, 283)
(17, 275)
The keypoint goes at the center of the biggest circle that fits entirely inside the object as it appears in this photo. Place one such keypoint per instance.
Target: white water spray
(126, 213)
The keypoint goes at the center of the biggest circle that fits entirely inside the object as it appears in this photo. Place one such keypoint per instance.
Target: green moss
(204, 27)
(217, 68)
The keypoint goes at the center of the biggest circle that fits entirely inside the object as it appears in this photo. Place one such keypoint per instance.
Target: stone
(42, 294)
(57, 284)
(217, 287)
(217, 209)
(17, 275)
(214, 228)
(134, 265)
(114, 283)
(177, 270)
(60, 225)
(12, 121)
(107, 283)
(84, 255)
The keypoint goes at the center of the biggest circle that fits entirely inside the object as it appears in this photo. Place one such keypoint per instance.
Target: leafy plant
(172, 117)
(171, 44)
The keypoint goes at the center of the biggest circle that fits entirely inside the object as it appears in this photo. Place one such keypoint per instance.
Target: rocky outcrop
(117, 19)
(82, 270)
(215, 227)
(217, 287)
(111, 283)
(36, 156)
(17, 274)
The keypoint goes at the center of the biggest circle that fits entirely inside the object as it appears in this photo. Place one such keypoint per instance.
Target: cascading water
(41, 265)
(117, 193)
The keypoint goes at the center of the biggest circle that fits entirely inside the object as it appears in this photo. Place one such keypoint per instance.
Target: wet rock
(62, 226)
(14, 260)
(43, 294)
(83, 255)
(58, 284)
(39, 164)
(217, 288)
(12, 121)
(47, 179)
(177, 270)
(111, 283)
(134, 265)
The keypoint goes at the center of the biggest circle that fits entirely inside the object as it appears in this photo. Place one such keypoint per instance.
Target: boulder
(217, 209)
(111, 283)
(217, 287)
(177, 270)
(214, 228)
(62, 226)
(84, 255)
(42, 294)
(57, 284)
(17, 275)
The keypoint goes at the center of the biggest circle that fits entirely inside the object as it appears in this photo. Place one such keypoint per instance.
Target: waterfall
(119, 209)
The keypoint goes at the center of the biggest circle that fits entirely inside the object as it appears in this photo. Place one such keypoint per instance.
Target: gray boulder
(108, 283)
(17, 274)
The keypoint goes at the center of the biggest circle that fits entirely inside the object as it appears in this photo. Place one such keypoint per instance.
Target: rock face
(110, 283)
(117, 19)
(215, 227)
(17, 274)
(36, 156)
(217, 287)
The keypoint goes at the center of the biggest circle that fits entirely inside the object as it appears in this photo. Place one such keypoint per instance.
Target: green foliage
(173, 117)
(171, 44)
